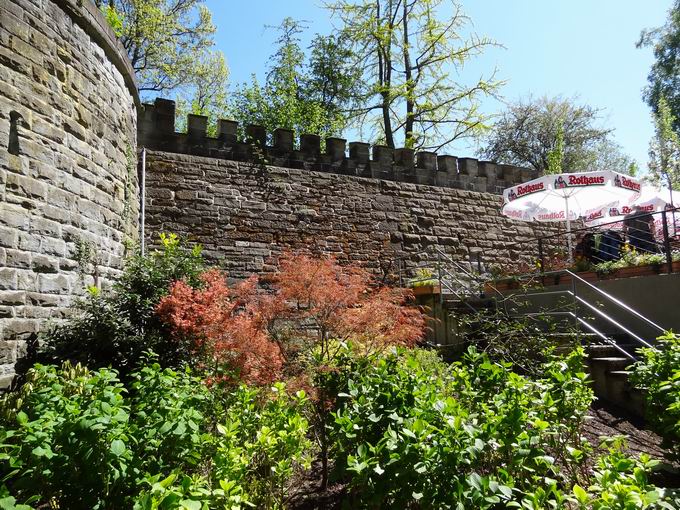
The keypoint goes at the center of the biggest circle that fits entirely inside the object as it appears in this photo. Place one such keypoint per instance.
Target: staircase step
(620, 373)
(613, 363)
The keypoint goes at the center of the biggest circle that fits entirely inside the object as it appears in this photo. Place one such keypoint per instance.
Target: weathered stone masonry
(67, 161)
(243, 213)
(247, 200)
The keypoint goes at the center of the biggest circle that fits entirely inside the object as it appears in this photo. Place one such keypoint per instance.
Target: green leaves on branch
(411, 54)
(307, 95)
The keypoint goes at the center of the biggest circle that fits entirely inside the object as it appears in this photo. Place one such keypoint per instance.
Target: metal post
(439, 275)
(667, 243)
(573, 296)
(540, 255)
(479, 270)
(142, 208)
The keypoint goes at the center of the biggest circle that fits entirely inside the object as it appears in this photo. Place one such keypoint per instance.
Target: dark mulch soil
(309, 496)
(602, 420)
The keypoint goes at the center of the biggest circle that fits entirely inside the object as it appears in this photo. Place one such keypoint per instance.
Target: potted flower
(424, 283)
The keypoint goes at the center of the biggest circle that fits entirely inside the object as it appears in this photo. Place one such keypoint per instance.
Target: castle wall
(243, 213)
(68, 176)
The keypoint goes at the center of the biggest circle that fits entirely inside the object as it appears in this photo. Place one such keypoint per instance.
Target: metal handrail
(608, 296)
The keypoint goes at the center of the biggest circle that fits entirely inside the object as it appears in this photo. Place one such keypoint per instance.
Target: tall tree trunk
(409, 140)
(385, 72)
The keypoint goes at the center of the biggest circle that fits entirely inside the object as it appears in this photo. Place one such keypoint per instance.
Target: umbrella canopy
(651, 200)
(567, 197)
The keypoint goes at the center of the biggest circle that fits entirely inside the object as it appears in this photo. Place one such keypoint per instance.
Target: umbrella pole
(571, 253)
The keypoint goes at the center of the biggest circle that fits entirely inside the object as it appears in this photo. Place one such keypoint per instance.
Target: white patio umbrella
(651, 200)
(567, 197)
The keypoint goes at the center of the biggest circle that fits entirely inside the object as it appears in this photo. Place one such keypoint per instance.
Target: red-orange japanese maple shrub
(225, 326)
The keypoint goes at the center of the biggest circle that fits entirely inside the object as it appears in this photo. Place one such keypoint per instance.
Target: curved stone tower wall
(68, 174)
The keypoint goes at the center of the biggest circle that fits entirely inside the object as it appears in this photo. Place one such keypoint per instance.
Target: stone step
(613, 363)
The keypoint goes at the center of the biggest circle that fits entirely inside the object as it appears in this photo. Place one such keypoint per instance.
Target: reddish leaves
(226, 326)
(315, 301)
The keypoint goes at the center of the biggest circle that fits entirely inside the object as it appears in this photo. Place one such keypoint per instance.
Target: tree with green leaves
(529, 131)
(411, 54)
(163, 38)
(206, 94)
(664, 148)
(305, 94)
(664, 76)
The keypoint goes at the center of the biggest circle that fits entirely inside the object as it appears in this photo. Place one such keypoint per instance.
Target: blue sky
(553, 47)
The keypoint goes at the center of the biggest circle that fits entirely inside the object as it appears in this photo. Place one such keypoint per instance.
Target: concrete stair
(609, 373)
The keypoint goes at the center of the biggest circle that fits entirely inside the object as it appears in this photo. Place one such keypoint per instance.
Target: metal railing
(456, 279)
(654, 233)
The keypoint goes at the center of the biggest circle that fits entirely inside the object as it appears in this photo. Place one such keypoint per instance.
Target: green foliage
(664, 148)
(65, 437)
(115, 329)
(206, 94)
(163, 38)
(305, 96)
(621, 482)
(525, 342)
(529, 131)
(424, 277)
(658, 375)
(72, 438)
(556, 154)
(663, 76)
(472, 435)
(411, 58)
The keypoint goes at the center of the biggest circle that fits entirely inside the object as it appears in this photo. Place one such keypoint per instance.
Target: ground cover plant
(658, 376)
(262, 377)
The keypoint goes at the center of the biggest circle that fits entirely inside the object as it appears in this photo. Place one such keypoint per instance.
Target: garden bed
(512, 283)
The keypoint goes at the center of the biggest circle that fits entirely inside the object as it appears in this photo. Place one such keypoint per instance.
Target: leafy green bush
(472, 435)
(620, 481)
(658, 376)
(114, 330)
(76, 439)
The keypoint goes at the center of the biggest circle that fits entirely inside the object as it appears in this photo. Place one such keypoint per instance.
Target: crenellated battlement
(157, 132)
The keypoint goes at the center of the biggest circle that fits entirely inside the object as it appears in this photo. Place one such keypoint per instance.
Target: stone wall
(245, 213)
(68, 176)
(157, 132)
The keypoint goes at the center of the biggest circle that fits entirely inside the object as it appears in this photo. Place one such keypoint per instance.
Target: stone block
(197, 126)
(8, 278)
(256, 135)
(468, 166)
(310, 145)
(335, 148)
(426, 160)
(283, 140)
(358, 151)
(405, 158)
(383, 154)
(54, 284)
(226, 131)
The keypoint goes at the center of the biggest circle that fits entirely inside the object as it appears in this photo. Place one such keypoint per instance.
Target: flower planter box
(628, 272)
(426, 290)
(502, 285)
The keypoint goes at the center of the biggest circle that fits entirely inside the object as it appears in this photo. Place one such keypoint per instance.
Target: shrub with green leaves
(115, 329)
(472, 435)
(621, 482)
(658, 376)
(72, 438)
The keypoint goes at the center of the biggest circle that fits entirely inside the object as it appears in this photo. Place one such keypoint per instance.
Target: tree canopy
(410, 54)
(664, 76)
(305, 94)
(164, 39)
(664, 148)
(529, 132)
